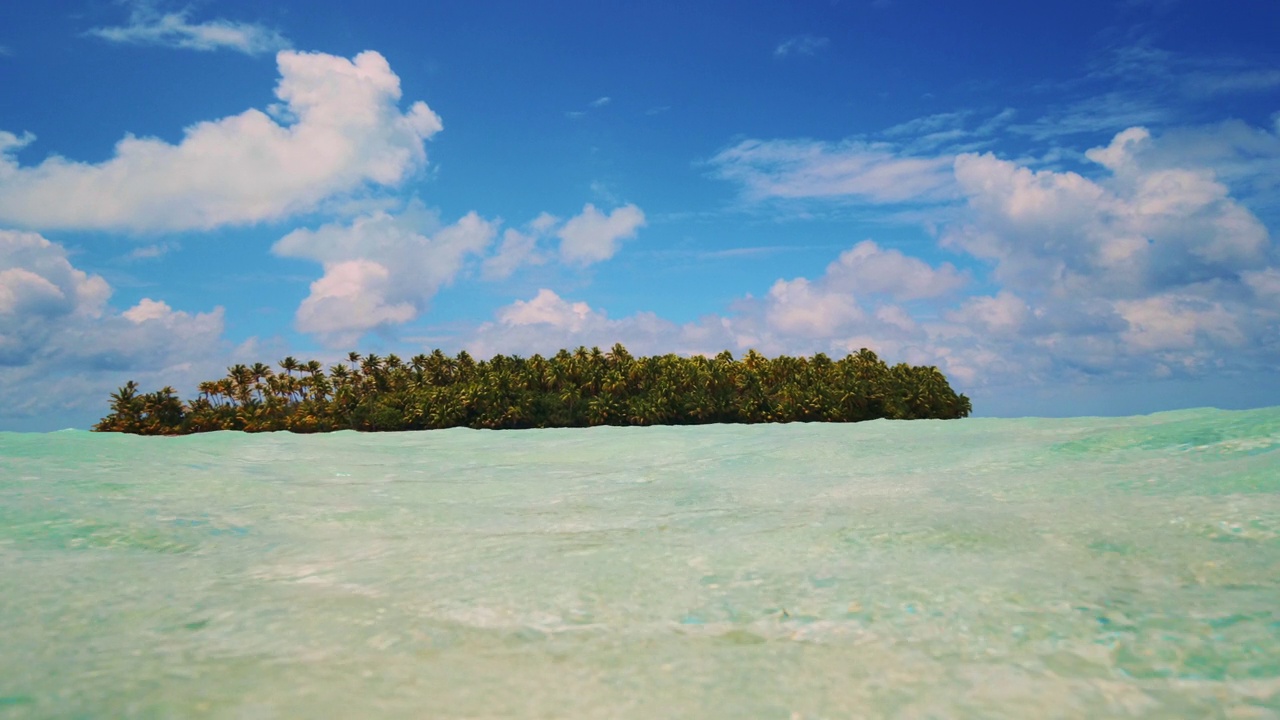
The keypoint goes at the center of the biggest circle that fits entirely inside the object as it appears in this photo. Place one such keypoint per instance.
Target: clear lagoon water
(1080, 568)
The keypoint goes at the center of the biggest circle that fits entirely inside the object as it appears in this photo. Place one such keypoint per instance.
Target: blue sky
(1070, 208)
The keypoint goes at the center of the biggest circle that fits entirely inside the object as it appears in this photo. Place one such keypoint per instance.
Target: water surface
(1082, 568)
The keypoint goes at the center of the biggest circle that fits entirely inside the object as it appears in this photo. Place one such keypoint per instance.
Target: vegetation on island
(570, 389)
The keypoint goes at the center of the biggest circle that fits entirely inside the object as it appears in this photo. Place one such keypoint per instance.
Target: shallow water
(1082, 568)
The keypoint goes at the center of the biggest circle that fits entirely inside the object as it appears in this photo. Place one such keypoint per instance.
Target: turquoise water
(1082, 568)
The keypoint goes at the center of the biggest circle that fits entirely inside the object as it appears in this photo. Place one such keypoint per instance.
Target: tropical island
(581, 388)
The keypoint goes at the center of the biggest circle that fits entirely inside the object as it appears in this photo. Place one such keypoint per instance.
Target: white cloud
(586, 238)
(1151, 269)
(547, 322)
(848, 305)
(152, 251)
(147, 26)
(543, 223)
(148, 309)
(1137, 232)
(10, 143)
(517, 249)
(383, 269)
(38, 285)
(592, 236)
(520, 248)
(351, 298)
(800, 45)
(1172, 322)
(1105, 112)
(548, 308)
(871, 172)
(1265, 283)
(63, 349)
(796, 317)
(797, 308)
(380, 269)
(829, 314)
(947, 133)
(869, 269)
(928, 124)
(1241, 156)
(1004, 314)
(343, 131)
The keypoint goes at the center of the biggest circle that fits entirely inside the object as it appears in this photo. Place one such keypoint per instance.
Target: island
(581, 388)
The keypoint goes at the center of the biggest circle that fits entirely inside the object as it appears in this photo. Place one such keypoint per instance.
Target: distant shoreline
(582, 388)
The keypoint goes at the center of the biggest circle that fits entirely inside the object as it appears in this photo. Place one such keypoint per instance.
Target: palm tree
(126, 411)
(569, 389)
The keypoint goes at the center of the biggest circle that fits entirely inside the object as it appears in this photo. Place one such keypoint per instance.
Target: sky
(1070, 208)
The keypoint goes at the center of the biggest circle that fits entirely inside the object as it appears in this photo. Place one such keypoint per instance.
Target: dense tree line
(570, 389)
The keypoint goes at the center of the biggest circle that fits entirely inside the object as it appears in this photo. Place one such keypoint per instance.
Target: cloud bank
(1150, 269)
(63, 348)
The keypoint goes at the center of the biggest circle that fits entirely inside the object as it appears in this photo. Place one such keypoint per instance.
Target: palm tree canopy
(568, 389)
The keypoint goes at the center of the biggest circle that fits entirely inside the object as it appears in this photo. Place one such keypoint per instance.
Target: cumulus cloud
(547, 322)
(871, 172)
(591, 236)
(520, 248)
(1174, 322)
(39, 288)
(584, 239)
(380, 269)
(797, 317)
(517, 250)
(338, 129)
(1150, 269)
(1146, 269)
(796, 307)
(548, 308)
(1139, 232)
(147, 26)
(847, 308)
(868, 269)
(1004, 314)
(63, 348)
(1241, 156)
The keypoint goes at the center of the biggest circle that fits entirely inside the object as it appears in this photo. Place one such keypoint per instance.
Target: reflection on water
(981, 568)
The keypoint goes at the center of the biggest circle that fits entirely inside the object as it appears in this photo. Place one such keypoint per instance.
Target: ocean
(980, 568)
